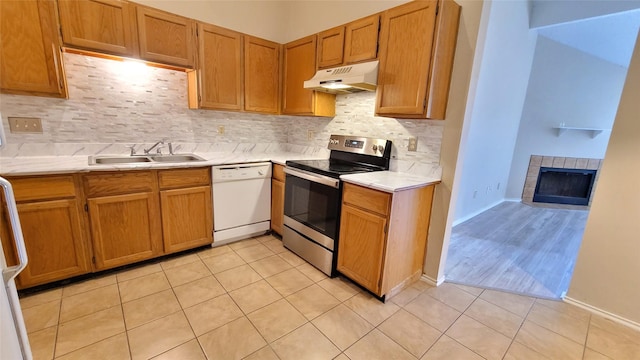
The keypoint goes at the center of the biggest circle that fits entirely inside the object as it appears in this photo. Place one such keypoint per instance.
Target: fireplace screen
(564, 186)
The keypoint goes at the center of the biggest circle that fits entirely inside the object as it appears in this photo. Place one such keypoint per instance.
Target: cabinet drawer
(180, 178)
(119, 183)
(43, 188)
(278, 172)
(369, 199)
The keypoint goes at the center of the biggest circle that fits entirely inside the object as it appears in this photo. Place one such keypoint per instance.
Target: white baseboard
(431, 281)
(620, 320)
(476, 213)
(513, 199)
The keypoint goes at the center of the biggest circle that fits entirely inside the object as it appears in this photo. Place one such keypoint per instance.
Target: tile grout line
(524, 319)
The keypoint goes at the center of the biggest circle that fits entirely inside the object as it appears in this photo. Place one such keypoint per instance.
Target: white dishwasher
(241, 201)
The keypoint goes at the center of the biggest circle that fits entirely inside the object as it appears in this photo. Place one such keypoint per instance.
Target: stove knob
(381, 148)
(375, 147)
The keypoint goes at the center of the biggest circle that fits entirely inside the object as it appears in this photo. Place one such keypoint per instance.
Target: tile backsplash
(116, 103)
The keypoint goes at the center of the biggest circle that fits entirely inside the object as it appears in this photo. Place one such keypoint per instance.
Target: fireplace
(571, 171)
(564, 186)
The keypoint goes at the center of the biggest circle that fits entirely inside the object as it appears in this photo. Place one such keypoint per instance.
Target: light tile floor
(256, 300)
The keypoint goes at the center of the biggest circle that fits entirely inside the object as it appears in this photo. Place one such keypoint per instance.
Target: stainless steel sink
(123, 159)
(176, 158)
(107, 159)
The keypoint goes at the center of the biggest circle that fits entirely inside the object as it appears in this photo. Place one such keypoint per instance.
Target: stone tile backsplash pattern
(113, 103)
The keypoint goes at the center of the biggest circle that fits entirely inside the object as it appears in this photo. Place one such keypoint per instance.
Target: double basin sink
(136, 159)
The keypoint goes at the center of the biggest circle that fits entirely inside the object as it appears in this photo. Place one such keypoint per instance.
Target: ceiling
(609, 37)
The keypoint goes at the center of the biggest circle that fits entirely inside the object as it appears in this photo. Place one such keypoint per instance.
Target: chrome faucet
(147, 151)
(172, 149)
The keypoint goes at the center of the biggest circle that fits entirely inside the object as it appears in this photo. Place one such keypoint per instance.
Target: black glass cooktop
(331, 168)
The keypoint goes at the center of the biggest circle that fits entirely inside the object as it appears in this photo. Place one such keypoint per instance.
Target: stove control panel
(360, 145)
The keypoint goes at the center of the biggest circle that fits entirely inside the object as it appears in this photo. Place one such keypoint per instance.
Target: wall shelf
(593, 131)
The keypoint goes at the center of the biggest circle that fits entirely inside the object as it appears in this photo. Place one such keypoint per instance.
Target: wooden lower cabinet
(383, 237)
(52, 226)
(54, 242)
(187, 218)
(129, 216)
(124, 229)
(187, 208)
(361, 254)
(277, 199)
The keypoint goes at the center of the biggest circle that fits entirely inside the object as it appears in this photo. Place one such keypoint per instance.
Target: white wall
(463, 85)
(265, 19)
(280, 21)
(545, 12)
(308, 17)
(493, 127)
(566, 85)
(607, 268)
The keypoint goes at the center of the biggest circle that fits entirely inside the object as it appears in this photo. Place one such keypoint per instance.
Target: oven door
(312, 205)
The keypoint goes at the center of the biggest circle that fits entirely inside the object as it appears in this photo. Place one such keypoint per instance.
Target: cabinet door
(220, 66)
(277, 205)
(361, 246)
(406, 41)
(300, 65)
(166, 38)
(330, 47)
(53, 239)
(187, 218)
(361, 40)
(125, 229)
(104, 25)
(261, 75)
(30, 57)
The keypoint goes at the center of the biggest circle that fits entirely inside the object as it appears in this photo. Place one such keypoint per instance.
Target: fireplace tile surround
(538, 161)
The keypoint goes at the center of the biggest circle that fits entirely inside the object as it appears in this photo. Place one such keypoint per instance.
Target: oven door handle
(321, 179)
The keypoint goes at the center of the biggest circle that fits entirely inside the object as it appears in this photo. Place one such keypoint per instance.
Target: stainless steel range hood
(345, 79)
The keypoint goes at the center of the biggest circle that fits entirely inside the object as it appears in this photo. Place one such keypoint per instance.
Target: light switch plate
(221, 129)
(25, 124)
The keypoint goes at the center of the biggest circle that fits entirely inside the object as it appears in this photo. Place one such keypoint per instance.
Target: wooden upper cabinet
(416, 58)
(166, 38)
(261, 75)
(220, 68)
(107, 26)
(30, 56)
(300, 65)
(330, 47)
(361, 40)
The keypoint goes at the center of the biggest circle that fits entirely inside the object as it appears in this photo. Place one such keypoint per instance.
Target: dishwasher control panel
(235, 172)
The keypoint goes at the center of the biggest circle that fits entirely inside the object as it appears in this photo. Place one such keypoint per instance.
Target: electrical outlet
(25, 124)
(311, 135)
(413, 144)
(221, 129)
(475, 193)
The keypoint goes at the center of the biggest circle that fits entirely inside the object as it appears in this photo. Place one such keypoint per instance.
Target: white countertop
(389, 181)
(43, 165)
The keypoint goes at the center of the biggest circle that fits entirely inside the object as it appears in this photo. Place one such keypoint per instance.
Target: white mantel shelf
(594, 131)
